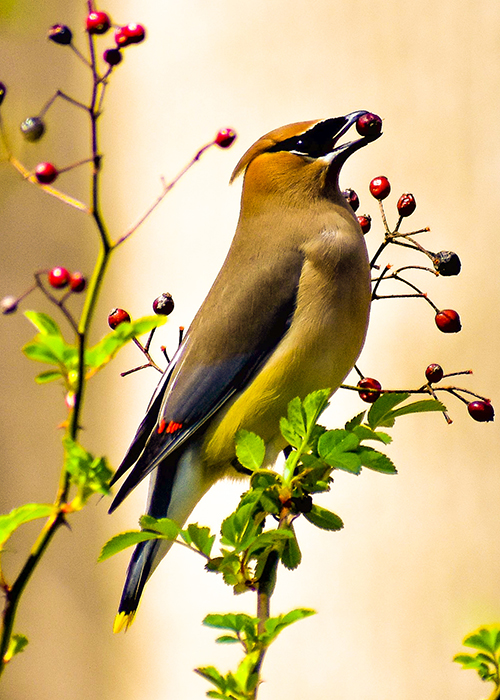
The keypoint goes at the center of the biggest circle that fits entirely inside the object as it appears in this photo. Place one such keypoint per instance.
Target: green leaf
(291, 555)
(424, 406)
(126, 539)
(48, 376)
(323, 518)
(89, 474)
(314, 404)
(296, 416)
(45, 324)
(164, 526)
(200, 537)
(227, 639)
(100, 354)
(250, 449)
(51, 349)
(24, 514)
(275, 625)
(480, 640)
(211, 674)
(337, 448)
(237, 622)
(351, 424)
(365, 433)
(380, 412)
(17, 644)
(376, 461)
(290, 435)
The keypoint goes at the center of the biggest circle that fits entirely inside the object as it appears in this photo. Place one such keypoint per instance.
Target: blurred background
(417, 566)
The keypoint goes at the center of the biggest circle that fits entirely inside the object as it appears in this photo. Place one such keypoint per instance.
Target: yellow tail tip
(123, 621)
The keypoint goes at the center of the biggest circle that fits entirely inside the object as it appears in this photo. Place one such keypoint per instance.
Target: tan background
(417, 566)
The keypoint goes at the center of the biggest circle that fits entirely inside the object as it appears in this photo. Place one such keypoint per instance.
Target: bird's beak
(340, 126)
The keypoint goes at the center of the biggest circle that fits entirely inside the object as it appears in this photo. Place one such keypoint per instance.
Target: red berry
(77, 282)
(434, 373)
(163, 305)
(130, 34)
(369, 383)
(448, 321)
(369, 124)
(113, 56)
(98, 23)
(406, 204)
(46, 173)
(352, 198)
(380, 187)
(481, 411)
(60, 34)
(58, 277)
(118, 316)
(225, 138)
(365, 221)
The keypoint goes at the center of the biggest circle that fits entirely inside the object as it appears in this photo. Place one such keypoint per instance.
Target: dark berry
(60, 34)
(448, 321)
(32, 128)
(118, 316)
(225, 138)
(58, 277)
(77, 282)
(369, 383)
(98, 23)
(9, 305)
(46, 173)
(369, 124)
(447, 263)
(365, 221)
(3, 92)
(163, 305)
(130, 34)
(481, 411)
(434, 373)
(113, 56)
(406, 204)
(352, 199)
(380, 187)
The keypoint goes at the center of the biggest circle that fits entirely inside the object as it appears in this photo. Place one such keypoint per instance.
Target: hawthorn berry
(369, 383)
(113, 56)
(448, 321)
(32, 128)
(225, 137)
(60, 34)
(380, 187)
(481, 411)
(58, 277)
(3, 92)
(434, 373)
(352, 198)
(98, 23)
(130, 34)
(46, 173)
(365, 221)
(77, 282)
(369, 124)
(447, 263)
(406, 204)
(9, 305)
(118, 316)
(163, 305)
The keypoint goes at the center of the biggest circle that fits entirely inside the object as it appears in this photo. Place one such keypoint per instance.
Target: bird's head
(305, 156)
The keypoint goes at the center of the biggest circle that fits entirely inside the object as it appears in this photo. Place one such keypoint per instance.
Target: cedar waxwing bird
(287, 315)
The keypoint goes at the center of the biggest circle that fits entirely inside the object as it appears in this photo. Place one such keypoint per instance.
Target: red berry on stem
(380, 187)
(118, 316)
(369, 124)
(46, 173)
(352, 198)
(369, 383)
(406, 204)
(98, 23)
(130, 34)
(434, 373)
(60, 34)
(481, 411)
(58, 277)
(113, 56)
(225, 138)
(365, 221)
(77, 282)
(448, 321)
(163, 305)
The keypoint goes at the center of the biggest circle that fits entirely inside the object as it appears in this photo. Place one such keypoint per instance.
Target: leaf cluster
(487, 659)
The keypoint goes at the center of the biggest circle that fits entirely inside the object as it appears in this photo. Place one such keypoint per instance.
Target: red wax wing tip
(161, 426)
(173, 427)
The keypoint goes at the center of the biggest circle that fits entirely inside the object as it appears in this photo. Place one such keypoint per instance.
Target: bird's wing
(220, 354)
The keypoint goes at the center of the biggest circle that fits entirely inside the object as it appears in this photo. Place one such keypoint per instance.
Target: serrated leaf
(314, 404)
(19, 516)
(337, 448)
(211, 674)
(296, 417)
(237, 622)
(48, 376)
(467, 660)
(42, 322)
(356, 420)
(164, 526)
(290, 435)
(424, 406)
(88, 473)
(125, 539)
(227, 639)
(51, 349)
(291, 555)
(201, 538)
(376, 461)
(275, 625)
(379, 413)
(323, 518)
(366, 433)
(479, 640)
(250, 449)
